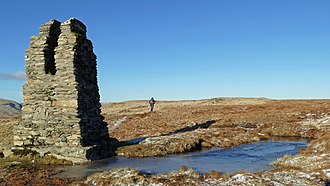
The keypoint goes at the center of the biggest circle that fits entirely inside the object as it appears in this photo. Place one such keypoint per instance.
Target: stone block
(27, 142)
(17, 138)
(18, 143)
(65, 103)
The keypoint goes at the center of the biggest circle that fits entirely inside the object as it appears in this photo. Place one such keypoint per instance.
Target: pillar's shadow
(108, 146)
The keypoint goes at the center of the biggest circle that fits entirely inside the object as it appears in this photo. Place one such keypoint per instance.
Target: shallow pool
(251, 157)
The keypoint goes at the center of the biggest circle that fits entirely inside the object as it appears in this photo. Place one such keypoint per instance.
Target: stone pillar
(61, 108)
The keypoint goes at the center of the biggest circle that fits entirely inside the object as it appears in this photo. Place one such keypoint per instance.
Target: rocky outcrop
(61, 112)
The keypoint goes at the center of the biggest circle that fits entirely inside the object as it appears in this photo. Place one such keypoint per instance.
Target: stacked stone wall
(61, 108)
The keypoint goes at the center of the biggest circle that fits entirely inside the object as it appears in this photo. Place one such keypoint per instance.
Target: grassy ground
(275, 117)
(188, 124)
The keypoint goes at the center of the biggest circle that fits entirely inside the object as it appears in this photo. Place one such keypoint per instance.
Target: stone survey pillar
(61, 108)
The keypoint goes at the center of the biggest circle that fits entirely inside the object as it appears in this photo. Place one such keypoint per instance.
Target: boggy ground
(181, 126)
(221, 122)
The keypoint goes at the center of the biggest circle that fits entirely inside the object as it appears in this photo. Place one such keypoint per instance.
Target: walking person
(152, 104)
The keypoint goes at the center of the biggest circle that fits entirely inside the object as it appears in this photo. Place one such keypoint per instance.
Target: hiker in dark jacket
(152, 104)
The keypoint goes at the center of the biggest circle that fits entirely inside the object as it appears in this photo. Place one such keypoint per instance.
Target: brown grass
(274, 117)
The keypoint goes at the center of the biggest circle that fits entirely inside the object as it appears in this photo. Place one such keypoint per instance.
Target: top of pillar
(76, 26)
(47, 26)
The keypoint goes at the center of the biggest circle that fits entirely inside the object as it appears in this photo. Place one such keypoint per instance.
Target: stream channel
(251, 157)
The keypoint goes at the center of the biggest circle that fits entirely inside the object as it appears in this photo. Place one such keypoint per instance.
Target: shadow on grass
(108, 149)
(205, 125)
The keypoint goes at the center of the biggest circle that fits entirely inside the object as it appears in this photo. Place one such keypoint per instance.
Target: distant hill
(9, 108)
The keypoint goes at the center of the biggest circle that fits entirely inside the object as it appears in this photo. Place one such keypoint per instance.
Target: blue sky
(184, 49)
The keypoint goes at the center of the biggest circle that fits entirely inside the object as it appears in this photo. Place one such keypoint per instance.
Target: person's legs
(151, 107)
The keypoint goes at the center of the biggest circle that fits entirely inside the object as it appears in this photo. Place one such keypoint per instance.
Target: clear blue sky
(184, 49)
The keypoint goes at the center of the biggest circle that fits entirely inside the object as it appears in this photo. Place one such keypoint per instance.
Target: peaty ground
(181, 126)
(273, 117)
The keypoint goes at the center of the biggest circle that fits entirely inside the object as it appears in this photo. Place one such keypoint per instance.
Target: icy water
(251, 157)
